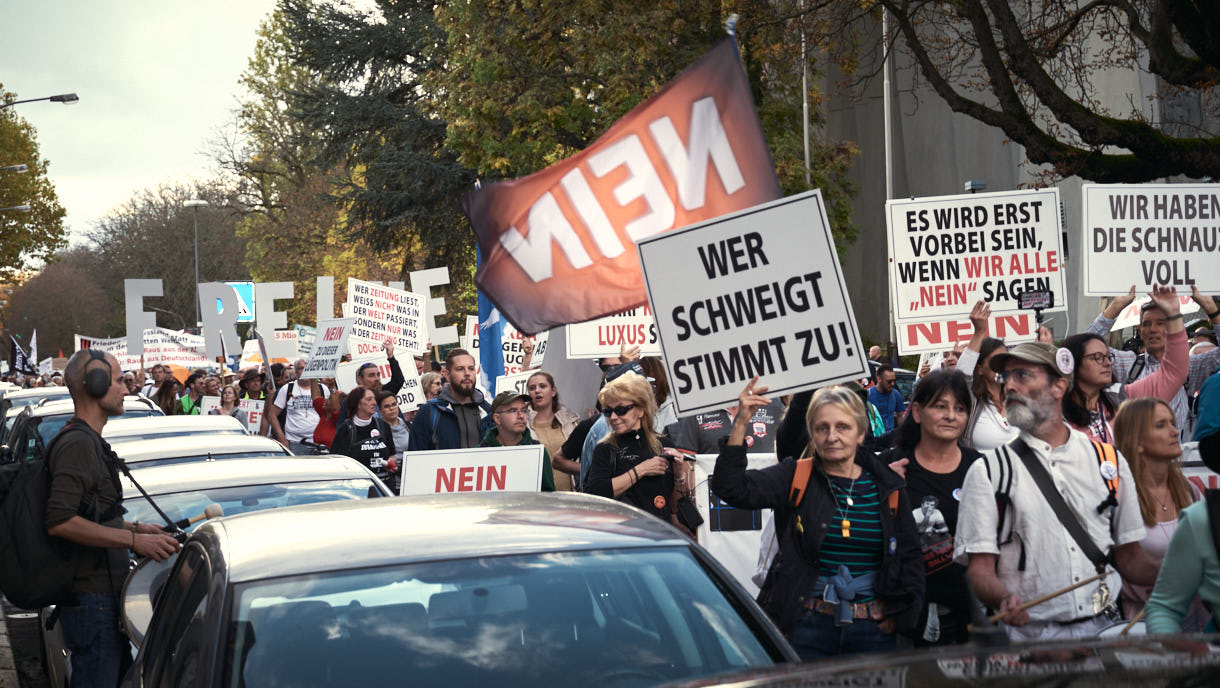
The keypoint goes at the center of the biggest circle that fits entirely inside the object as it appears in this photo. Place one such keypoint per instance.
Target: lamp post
(15, 169)
(65, 98)
(18, 208)
(196, 203)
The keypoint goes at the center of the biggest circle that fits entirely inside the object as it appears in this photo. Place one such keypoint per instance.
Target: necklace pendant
(1164, 508)
(846, 526)
(851, 502)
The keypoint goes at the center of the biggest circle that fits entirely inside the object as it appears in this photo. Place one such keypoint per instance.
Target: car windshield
(612, 618)
(237, 500)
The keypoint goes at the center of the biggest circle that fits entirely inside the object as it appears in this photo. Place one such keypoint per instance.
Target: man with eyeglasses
(1016, 545)
(510, 412)
(1153, 329)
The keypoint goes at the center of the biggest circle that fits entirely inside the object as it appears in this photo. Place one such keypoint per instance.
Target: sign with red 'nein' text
(484, 469)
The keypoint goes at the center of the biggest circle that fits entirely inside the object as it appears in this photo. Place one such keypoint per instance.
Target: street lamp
(196, 203)
(18, 208)
(65, 98)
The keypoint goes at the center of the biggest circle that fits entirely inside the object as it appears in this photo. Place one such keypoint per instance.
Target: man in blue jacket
(459, 416)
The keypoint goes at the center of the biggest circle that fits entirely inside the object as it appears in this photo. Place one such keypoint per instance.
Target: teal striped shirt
(862, 550)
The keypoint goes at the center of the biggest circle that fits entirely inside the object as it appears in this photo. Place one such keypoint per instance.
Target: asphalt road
(23, 636)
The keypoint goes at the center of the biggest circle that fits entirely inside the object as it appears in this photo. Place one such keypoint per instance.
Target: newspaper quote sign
(948, 252)
(378, 312)
(487, 469)
(1146, 234)
(759, 292)
(410, 395)
(605, 336)
(329, 346)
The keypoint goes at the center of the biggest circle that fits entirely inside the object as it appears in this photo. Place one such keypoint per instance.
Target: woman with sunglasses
(633, 463)
(849, 572)
(1088, 407)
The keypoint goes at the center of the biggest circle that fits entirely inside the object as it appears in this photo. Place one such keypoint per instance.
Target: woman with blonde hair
(1146, 433)
(849, 572)
(431, 383)
(633, 463)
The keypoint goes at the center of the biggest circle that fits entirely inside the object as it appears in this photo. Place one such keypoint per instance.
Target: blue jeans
(817, 637)
(100, 651)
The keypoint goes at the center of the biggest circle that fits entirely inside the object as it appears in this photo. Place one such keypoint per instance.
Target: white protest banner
(948, 252)
(287, 344)
(486, 469)
(328, 348)
(515, 382)
(1130, 316)
(605, 336)
(410, 395)
(539, 357)
(167, 347)
(361, 348)
(942, 335)
(44, 366)
(305, 337)
(250, 354)
(759, 292)
(254, 414)
(470, 340)
(115, 346)
(932, 359)
(378, 312)
(734, 536)
(1150, 234)
(209, 406)
(345, 373)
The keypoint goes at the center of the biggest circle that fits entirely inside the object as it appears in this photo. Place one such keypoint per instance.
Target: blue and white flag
(491, 335)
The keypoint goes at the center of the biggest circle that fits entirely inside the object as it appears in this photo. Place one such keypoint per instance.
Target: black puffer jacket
(900, 582)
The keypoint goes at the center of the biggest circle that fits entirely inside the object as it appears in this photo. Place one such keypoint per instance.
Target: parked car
(506, 589)
(193, 448)
(135, 429)
(186, 490)
(15, 400)
(38, 423)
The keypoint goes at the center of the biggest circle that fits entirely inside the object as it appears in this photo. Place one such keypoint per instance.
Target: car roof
(192, 445)
(55, 407)
(344, 535)
(206, 475)
(36, 393)
(118, 429)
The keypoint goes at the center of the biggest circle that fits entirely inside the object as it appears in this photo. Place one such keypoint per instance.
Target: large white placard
(1130, 316)
(605, 336)
(486, 469)
(378, 312)
(759, 292)
(329, 346)
(948, 252)
(942, 335)
(733, 536)
(254, 413)
(305, 336)
(168, 347)
(1146, 234)
(515, 382)
(410, 395)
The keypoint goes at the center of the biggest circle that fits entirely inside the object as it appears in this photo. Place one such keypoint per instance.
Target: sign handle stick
(1049, 596)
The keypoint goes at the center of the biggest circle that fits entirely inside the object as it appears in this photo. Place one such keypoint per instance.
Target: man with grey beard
(1015, 545)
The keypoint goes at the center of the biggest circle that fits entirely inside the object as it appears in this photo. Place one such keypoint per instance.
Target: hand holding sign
(1166, 298)
(628, 353)
(388, 346)
(1206, 303)
(750, 400)
(980, 315)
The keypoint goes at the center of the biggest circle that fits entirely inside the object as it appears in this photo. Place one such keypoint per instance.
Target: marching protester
(326, 403)
(849, 573)
(509, 411)
(887, 398)
(367, 438)
(633, 463)
(166, 397)
(551, 424)
(601, 423)
(431, 383)
(368, 375)
(1207, 430)
(1147, 435)
(929, 455)
(987, 428)
(1089, 407)
(129, 381)
(251, 384)
(459, 416)
(1023, 534)
(1153, 331)
(387, 408)
(228, 405)
(189, 404)
(84, 507)
(293, 418)
(211, 386)
(158, 373)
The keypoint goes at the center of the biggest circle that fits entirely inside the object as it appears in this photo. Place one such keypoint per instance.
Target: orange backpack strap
(1107, 466)
(800, 480)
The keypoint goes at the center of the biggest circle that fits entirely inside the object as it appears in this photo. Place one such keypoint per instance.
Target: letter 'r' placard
(759, 292)
(485, 469)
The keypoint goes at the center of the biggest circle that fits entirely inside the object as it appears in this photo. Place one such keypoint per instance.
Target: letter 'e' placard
(759, 292)
(486, 469)
(948, 252)
(1146, 234)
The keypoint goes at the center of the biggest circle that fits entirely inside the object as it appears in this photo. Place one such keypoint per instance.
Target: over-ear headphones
(97, 381)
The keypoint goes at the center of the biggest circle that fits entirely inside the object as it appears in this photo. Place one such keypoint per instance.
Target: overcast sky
(156, 80)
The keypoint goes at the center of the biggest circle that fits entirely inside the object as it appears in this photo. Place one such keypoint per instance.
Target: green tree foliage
(62, 300)
(25, 237)
(545, 79)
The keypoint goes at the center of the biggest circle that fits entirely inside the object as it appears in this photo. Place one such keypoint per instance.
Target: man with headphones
(85, 508)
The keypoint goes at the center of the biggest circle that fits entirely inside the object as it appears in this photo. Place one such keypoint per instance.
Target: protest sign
(765, 297)
(486, 469)
(345, 373)
(470, 340)
(942, 335)
(167, 347)
(422, 282)
(410, 395)
(250, 355)
(605, 336)
(138, 319)
(511, 346)
(539, 357)
(1130, 316)
(515, 382)
(378, 312)
(254, 414)
(209, 405)
(734, 536)
(328, 348)
(287, 343)
(305, 337)
(1150, 234)
(948, 252)
(693, 151)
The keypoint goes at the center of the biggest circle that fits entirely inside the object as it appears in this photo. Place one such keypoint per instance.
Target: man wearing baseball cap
(510, 411)
(1049, 510)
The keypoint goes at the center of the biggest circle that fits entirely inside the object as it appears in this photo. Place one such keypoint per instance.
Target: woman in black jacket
(849, 572)
(367, 438)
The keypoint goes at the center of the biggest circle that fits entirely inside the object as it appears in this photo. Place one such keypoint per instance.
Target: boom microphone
(212, 511)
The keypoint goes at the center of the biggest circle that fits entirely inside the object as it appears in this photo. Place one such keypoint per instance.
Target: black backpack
(36, 569)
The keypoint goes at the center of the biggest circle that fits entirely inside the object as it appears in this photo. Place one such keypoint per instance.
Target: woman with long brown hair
(1147, 435)
(550, 423)
(987, 427)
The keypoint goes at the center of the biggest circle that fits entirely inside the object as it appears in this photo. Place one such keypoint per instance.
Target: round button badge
(1108, 471)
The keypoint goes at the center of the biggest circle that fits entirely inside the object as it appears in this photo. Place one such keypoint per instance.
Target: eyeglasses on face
(1021, 375)
(620, 411)
(517, 411)
(1099, 357)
